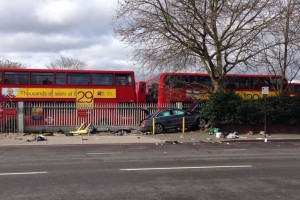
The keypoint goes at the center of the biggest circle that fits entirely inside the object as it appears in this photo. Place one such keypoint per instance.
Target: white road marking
(22, 173)
(103, 153)
(234, 149)
(176, 168)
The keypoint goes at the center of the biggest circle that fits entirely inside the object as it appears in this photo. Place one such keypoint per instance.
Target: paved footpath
(7, 139)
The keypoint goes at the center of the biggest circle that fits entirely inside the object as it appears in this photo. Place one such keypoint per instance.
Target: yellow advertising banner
(83, 94)
(105, 93)
(253, 94)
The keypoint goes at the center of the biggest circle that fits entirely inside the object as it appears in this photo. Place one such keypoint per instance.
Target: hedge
(227, 108)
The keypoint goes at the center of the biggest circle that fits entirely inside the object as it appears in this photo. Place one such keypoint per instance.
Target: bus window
(230, 83)
(16, 77)
(260, 82)
(61, 79)
(123, 79)
(102, 79)
(276, 82)
(0, 77)
(245, 83)
(143, 87)
(78, 79)
(173, 81)
(297, 89)
(38, 78)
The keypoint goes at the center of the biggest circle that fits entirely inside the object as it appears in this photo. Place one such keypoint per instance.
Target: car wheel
(200, 123)
(159, 128)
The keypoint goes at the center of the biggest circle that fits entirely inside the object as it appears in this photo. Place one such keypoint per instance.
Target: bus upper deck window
(41, 78)
(78, 78)
(123, 79)
(16, 77)
(61, 79)
(102, 79)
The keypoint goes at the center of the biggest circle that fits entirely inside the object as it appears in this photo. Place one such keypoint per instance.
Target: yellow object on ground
(83, 129)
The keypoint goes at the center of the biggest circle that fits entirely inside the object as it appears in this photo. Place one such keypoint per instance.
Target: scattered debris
(232, 135)
(219, 135)
(48, 134)
(213, 131)
(92, 130)
(250, 133)
(69, 134)
(60, 131)
(262, 133)
(121, 132)
(40, 138)
(171, 142)
(83, 129)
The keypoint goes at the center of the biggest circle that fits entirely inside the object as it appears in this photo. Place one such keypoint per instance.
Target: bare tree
(284, 58)
(64, 62)
(215, 36)
(10, 64)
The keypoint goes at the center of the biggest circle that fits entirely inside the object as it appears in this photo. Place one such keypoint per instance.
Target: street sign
(49, 120)
(265, 90)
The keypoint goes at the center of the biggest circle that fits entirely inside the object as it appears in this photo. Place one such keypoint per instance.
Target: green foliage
(222, 108)
(225, 108)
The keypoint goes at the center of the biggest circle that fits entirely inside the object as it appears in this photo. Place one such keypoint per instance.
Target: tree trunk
(216, 83)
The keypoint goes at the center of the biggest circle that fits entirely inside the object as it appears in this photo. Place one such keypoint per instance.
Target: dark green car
(172, 118)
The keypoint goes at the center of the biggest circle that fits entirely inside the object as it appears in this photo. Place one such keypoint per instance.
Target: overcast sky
(36, 32)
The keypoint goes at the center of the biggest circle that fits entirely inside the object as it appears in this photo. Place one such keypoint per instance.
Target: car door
(177, 117)
(165, 118)
(190, 118)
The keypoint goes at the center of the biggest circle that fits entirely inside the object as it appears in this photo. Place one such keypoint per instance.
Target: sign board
(81, 113)
(265, 90)
(49, 120)
(37, 113)
(84, 99)
(10, 112)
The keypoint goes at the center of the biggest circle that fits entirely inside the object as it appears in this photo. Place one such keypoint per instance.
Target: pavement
(134, 137)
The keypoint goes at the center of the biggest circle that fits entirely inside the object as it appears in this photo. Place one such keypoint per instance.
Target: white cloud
(36, 32)
(56, 11)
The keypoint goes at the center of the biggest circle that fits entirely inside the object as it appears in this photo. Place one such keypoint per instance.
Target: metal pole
(265, 121)
(183, 124)
(153, 126)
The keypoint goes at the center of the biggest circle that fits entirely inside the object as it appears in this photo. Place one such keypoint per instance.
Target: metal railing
(54, 116)
(8, 117)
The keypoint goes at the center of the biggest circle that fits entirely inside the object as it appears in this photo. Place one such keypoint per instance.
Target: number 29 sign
(85, 98)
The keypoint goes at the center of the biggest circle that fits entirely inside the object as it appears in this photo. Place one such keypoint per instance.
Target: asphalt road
(148, 171)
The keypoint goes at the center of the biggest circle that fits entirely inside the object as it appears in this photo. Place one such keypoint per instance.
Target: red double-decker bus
(186, 87)
(294, 88)
(43, 90)
(81, 86)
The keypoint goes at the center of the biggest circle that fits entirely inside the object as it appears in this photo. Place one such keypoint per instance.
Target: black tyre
(200, 123)
(159, 128)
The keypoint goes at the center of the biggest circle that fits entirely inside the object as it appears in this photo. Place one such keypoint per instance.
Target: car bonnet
(194, 105)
